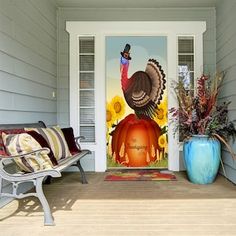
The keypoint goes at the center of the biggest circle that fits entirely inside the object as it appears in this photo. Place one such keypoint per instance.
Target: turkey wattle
(144, 89)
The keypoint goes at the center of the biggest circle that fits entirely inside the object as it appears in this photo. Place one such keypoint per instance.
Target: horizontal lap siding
(226, 60)
(28, 61)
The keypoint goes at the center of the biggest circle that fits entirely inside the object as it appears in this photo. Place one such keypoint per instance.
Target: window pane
(86, 80)
(86, 88)
(87, 116)
(86, 98)
(86, 63)
(186, 68)
(186, 45)
(187, 60)
(186, 77)
(88, 132)
(192, 80)
(86, 45)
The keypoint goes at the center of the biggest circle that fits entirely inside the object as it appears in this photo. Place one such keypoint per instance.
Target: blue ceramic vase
(202, 158)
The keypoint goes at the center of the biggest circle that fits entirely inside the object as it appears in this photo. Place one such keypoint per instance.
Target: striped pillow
(22, 143)
(55, 139)
(8, 131)
(42, 141)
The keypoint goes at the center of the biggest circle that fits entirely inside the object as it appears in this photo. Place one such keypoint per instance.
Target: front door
(136, 101)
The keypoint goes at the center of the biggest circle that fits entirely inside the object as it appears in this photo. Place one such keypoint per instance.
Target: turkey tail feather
(158, 81)
(146, 111)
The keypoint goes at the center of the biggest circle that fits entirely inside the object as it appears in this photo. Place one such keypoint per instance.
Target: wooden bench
(38, 177)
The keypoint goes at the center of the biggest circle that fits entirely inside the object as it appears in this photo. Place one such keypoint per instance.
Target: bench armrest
(38, 151)
(28, 155)
(77, 139)
(27, 176)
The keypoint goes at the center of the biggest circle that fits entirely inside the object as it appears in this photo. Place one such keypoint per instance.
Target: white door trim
(100, 29)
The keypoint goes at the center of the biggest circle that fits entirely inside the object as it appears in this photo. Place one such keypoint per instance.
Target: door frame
(101, 29)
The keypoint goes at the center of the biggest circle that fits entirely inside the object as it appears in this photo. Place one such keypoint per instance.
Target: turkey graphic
(138, 139)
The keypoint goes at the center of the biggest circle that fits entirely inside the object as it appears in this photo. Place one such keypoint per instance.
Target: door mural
(136, 108)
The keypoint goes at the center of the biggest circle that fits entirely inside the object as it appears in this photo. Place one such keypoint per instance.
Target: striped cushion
(8, 131)
(42, 141)
(22, 143)
(55, 139)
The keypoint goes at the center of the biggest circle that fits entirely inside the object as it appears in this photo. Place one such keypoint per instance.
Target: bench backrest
(39, 124)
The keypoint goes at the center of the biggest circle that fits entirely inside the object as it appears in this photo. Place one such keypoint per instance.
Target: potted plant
(202, 125)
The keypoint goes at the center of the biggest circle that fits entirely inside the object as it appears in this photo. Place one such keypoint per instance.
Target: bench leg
(83, 177)
(48, 219)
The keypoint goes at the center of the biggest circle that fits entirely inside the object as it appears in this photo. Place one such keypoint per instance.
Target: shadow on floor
(63, 192)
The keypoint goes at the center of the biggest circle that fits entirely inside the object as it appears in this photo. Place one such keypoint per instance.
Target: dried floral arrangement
(200, 114)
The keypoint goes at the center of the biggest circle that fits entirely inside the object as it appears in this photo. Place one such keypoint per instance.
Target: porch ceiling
(135, 3)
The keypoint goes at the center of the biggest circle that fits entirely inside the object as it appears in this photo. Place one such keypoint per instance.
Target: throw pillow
(55, 139)
(9, 131)
(43, 143)
(70, 139)
(23, 143)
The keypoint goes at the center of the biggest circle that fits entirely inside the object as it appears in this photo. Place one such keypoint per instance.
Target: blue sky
(154, 45)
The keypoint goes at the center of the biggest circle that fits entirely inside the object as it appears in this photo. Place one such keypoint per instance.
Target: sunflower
(162, 111)
(118, 105)
(110, 115)
(162, 142)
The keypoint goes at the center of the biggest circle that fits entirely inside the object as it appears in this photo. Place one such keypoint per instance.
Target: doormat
(140, 175)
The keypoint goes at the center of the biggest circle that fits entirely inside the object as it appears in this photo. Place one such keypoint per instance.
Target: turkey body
(143, 91)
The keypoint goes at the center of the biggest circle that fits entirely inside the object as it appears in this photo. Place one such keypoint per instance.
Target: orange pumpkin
(135, 141)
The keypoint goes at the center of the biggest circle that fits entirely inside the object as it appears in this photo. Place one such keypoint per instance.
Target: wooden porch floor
(103, 208)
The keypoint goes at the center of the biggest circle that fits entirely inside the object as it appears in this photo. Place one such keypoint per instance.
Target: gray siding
(226, 60)
(28, 61)
(72, 14)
